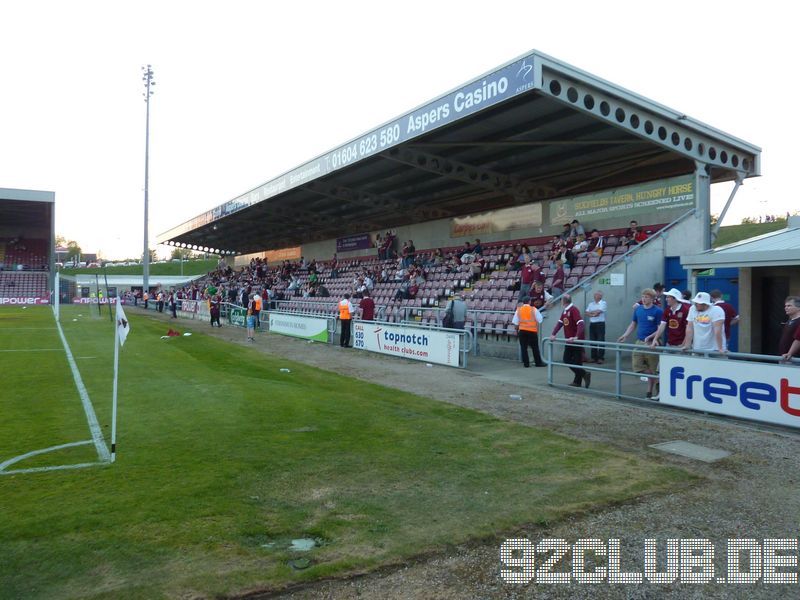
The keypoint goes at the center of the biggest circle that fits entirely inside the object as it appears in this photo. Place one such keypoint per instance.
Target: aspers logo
(524, 70)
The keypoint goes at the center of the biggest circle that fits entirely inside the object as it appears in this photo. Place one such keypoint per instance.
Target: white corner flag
(120, 333)
(123, 327)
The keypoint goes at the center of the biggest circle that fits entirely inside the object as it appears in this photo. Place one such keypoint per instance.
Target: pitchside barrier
(407, 340)
(756, 387)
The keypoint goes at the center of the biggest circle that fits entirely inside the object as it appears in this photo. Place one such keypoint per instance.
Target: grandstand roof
(25, 206)
(532, 129)
(774, 249)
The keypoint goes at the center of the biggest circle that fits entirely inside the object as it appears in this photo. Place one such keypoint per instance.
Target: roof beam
(486, 179)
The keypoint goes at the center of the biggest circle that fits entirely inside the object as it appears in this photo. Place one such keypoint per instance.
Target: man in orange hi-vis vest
(345, 316)
(527, 319)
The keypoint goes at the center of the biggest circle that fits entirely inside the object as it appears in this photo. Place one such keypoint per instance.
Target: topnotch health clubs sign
(438, 347)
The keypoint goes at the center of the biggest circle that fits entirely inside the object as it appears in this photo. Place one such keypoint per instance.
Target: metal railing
(617, 364)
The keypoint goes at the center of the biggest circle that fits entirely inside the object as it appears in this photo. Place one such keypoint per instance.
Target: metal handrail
(618, 349)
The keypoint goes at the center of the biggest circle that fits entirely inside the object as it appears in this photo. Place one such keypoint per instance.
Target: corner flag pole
(114, 400)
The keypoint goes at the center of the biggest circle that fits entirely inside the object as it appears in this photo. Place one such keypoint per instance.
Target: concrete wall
(640, 270)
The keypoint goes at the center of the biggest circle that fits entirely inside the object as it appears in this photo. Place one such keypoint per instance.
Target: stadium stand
(489, 286)
(23, 254)
(15, 284)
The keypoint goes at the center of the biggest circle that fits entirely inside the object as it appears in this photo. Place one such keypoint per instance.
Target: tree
(73, 251)
(182, 253)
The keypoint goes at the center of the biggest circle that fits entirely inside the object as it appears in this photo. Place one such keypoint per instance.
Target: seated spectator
(565, 233)
(596, 243)
(539, 296)
(633, 236)
(477, 248)
(558, 279)
(576, 229)
(581, 246)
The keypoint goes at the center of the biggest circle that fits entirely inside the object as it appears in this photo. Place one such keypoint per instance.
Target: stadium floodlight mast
(147, 77)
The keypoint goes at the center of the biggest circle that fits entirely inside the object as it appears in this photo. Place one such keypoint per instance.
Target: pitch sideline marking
(21, 457)
(34, 350)
(97, 435)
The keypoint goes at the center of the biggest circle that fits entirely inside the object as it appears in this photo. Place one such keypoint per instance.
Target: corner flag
(123, 327)
(120, 333)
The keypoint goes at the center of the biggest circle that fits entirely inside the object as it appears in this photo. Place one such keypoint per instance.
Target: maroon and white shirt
(572, 322)
(676, 323)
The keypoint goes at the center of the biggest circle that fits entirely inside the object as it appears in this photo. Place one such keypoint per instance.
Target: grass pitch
(223, 459)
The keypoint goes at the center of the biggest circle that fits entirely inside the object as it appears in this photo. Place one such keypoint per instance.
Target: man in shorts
(645, 320)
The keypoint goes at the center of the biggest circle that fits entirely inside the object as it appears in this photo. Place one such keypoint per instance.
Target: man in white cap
(705, 327)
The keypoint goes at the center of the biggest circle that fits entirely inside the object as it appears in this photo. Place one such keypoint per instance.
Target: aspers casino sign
(756, 391)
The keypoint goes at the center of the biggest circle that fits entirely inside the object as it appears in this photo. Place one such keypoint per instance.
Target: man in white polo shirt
(705, 326)
(596, 311)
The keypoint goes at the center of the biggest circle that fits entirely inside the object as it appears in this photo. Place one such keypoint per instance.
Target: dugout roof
(532, 129)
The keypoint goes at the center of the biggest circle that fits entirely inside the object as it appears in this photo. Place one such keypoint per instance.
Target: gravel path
(751, 494)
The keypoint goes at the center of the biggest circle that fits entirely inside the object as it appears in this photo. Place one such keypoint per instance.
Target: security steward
(345, 316)
(527, 319)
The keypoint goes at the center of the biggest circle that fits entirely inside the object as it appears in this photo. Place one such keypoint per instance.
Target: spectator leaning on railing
(705, 330)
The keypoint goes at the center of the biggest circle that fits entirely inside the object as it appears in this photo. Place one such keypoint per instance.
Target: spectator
(456, 310)
(527, 319)
(345, 316)
(539, 296)
(477, 248)
(596, 311)
(646, 318)
(558, 279)
(251, 319)
(173, 305)
(705, 329)
(731, 314)
(367, 306)
(634, 235)
(687, 295)
(573, 326)
(792, 307)
(596, 243)
(527, 275)
(673, 320)
(576, 229)
(323, 292)
(214, 303)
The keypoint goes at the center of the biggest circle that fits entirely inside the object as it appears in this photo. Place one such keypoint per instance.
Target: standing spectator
(367, 306)
(259, 305)
(731, 314)
(791, 327)
(646, 318)
(705, 330)
(345, 316)
(251, 319)
(456, 309)
(673, 320)
(527, 275)
(527, 320)
(573, 326)
(596, 311)
(173, 305)
(214, 310)
(160, 301)
(146, 298)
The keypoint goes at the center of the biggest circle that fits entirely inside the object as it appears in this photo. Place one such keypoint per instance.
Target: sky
(248, 90)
